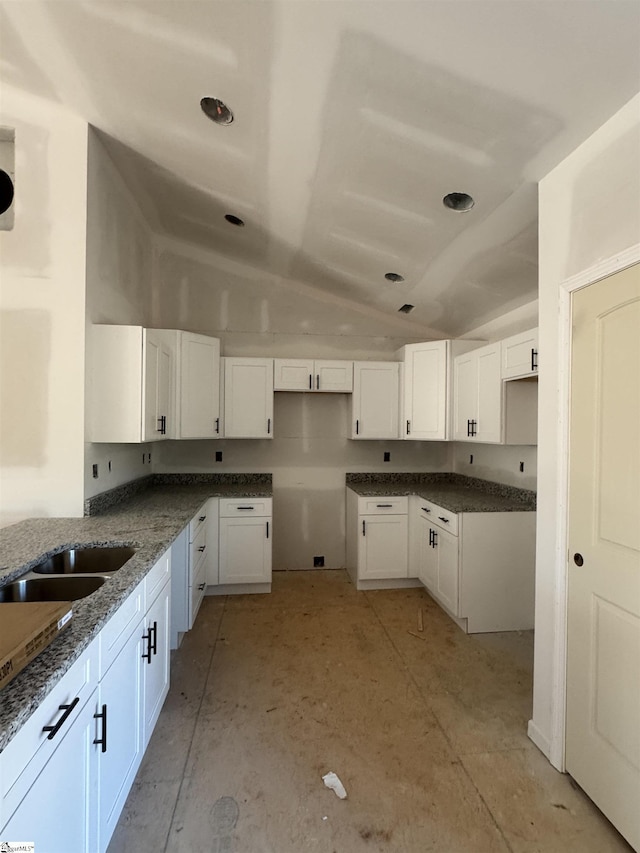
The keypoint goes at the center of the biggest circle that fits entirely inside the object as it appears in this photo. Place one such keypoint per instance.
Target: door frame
(609, 266)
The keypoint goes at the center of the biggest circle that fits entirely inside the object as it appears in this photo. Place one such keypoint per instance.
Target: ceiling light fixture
(458, 201)
(406, 309)
(234, 220)
(216, 110)
(394, 276)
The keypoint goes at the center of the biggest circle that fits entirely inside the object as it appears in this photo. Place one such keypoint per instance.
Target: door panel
(603, 652)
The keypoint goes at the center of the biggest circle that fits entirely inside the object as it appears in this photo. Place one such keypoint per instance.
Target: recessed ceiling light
(406, 309)
(458, 201)
(394, 276)
(234, 220)
(216, 110)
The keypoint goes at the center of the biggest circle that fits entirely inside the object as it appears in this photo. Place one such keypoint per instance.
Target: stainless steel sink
(67, 588)
(85, 561)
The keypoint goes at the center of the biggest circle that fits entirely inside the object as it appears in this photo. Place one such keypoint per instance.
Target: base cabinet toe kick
(478, 566)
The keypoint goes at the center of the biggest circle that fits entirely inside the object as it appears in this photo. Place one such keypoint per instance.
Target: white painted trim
(538, 738)
(604, 268)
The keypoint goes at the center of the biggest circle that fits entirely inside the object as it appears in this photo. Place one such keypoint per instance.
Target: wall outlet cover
(387, 456)
(95, 472)
(218, 456)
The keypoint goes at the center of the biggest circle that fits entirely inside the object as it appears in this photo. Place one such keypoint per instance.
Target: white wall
(498, 463)
(42, 306)
(589, 211)
(118, 281)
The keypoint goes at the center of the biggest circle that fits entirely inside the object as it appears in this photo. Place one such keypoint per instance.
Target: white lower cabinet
(478, 565)
(119, 716)
(65, 776)
(49, 771)
(377, 541)
(245, 541)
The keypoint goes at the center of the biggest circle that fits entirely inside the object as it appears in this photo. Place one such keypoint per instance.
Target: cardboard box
(26, 628)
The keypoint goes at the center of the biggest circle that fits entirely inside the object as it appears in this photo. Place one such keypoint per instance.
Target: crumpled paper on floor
(331, 781)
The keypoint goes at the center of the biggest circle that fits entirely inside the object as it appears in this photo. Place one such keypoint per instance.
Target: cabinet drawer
(197, 522)
(383, 506)
(118, 629)
(439, 517)
(156, 579)
(25, 756)
(244, 506)
(197, 550)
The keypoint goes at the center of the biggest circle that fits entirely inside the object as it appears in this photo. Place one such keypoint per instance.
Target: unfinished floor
(427, 731)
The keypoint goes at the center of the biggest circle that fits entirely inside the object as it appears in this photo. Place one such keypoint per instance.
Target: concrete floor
(427, 733)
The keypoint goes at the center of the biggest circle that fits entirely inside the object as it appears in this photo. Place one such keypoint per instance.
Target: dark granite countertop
(454, 492)
(148, 516)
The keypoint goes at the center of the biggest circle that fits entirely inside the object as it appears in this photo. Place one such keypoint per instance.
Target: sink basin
(51, 589)
(85, 561)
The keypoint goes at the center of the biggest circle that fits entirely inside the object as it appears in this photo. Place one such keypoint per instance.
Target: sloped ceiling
(352, 121)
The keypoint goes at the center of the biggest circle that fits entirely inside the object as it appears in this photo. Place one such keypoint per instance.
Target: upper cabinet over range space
(300, 374)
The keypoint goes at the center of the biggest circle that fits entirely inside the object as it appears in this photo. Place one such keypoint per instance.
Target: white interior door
(603, 657)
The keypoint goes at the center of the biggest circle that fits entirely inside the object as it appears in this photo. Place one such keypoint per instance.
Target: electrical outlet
(387, 456)
(522, 467)
(149, 458)
(95, 472)
(318, 562)
(144, 458)
(218, 456)
(109, 464)
(471, 459)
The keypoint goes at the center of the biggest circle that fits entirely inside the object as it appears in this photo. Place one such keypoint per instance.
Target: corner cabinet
(375, 405)
(478, 395)
(130, 384)
(248, 397)
(427, 388)
(303, 374)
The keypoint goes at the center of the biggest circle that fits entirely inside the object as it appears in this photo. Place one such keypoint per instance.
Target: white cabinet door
(489, 416)
(293, 374)
(382, 547)
(336, 376)
(478, 395)
(119, 728)
(157, 372)
(446, 547)
(155, 660)
(375, 402)
(428, 558)
(425, 391)
(59, 811)
(520, 355)
(198, 396)
(211, 572)
(248, 397)
(245, 550)
(465, 407)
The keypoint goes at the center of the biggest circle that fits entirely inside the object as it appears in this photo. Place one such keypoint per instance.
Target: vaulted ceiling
(352, 121)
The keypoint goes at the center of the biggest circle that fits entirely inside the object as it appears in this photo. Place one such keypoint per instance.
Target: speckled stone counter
(454, 492)
(147, 518)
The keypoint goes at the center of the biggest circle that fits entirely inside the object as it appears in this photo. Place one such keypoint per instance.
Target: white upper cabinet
(478, 395)
(248, 397)
(375, 408)
(426, 388)
(299, 374)
(197, 386)
(520, 355)
(131, 384)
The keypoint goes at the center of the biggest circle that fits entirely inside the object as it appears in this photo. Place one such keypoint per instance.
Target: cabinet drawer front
(25, 756)
(244, 506)
(119, 628)
(197, 522)
(156, 579)
(383, 506)
(439, 517)
(197, 550)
